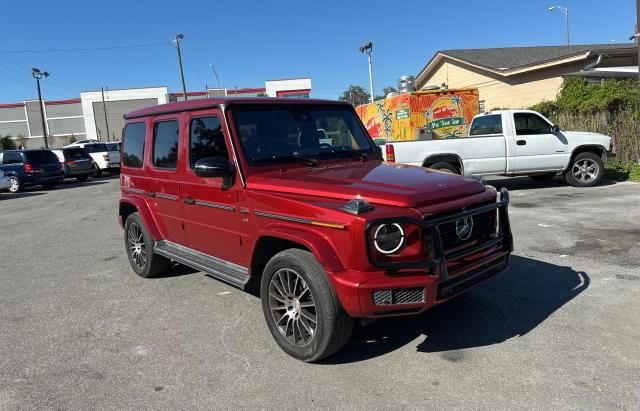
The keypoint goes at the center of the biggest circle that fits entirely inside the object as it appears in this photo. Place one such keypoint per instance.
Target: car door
(484, 151)
(211, 213)
(537, 148)
(164, 170)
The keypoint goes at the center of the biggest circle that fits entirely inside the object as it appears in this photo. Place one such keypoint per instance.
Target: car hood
(375, 181)
(587, 137)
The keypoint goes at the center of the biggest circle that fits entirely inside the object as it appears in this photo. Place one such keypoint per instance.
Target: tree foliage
(7, 143)
(355, 95)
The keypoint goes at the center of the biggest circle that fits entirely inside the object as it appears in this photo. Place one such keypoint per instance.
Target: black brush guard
(436, 258)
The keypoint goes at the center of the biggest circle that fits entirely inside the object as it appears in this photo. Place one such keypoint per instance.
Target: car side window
(11, 158)
(530, 123)
(206, 140)
(489, 124)
(165, 144)
(133, 145)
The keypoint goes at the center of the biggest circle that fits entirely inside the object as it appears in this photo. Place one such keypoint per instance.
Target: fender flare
(318, 245)
(583, 148)
(459, 159)
(143, 209)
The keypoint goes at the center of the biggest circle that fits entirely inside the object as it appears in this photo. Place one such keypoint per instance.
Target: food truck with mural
(421, 115)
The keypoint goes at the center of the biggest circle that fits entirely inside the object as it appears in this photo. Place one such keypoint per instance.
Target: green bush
(619, 171)
(7, 143)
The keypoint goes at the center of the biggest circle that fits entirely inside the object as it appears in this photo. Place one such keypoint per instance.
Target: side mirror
(209, 167)
(555, 128)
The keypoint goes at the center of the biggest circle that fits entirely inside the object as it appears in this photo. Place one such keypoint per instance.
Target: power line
(85, 48)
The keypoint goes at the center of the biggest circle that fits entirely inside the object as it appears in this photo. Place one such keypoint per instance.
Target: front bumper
(412, 287)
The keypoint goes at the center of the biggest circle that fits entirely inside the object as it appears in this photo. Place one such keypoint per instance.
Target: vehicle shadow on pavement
(525, 183)
(510, 305)
(13, 196)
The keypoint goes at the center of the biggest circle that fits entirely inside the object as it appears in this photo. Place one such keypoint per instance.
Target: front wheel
(586, 170)
(14, 184)
(139, 245)
(300, 307)
(445, 168)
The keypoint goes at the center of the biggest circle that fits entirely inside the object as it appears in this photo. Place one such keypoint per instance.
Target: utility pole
(104, 108)
(37, 74)
(179, 37)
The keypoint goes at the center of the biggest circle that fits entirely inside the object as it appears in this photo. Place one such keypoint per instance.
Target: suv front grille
(484, 226)
(400, 296)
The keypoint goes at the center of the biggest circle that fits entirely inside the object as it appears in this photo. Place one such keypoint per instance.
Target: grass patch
(619, 171)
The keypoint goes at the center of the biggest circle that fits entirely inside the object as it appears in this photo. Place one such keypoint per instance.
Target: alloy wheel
(292, 307)
(136, 246)
(585, 170)
(15, 185)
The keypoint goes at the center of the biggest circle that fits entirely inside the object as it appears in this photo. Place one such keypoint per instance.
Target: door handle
(521, 142)
(189, 200)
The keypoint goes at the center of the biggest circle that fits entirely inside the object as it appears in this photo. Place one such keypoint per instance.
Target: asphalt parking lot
(559, 329)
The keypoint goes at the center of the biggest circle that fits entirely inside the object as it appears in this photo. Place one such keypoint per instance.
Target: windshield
(303, 133)
(75, 153)
(95, 148)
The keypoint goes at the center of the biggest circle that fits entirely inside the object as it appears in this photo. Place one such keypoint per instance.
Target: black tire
(333, 325)
(576, 170)
(98, 172)
(445, 167)
(153, 264)
(16, 185)
(48, 186)
(542, 177)
(82, 178)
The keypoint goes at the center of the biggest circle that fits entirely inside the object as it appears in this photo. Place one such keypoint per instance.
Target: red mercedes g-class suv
(293, 196)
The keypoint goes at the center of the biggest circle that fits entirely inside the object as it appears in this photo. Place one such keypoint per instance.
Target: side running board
(231, 273)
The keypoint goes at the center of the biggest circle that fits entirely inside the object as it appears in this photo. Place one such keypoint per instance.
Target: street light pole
(37, 74)
(179, 37)
(565, 11)
(367, 48)
(104, 108)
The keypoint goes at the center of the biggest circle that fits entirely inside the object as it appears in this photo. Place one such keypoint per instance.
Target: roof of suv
(203, 103)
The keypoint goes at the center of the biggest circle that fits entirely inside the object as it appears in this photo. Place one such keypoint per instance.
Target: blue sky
(252, 41)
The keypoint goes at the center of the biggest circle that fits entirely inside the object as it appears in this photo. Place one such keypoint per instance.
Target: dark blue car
(31, 167)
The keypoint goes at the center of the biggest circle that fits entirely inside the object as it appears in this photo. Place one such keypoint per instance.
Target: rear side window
(490, 124)
(133, 145)
(165, 144)
(74, 153)
(206, 140)
(113, 147)
(11, 158)
(530, 123)
(41, 157)
(96, 148)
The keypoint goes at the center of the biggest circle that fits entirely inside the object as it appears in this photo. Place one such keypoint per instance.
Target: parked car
(244, 190)
(82, 142)
(5, 182)
(100, 155)
(31, 167)
(511, 143)
(114, 154)
(76, 162)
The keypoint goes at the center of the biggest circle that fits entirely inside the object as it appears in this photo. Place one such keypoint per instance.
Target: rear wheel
(445, 167)
(139, 245)
(300, 307)
(15, 185)
(542, 177)
(586, 170)
(82, 178)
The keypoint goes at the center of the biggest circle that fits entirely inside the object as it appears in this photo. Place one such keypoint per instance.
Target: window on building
(206, 140)
(482, 106)
(489, 124)
(530, 123)
(165, 144)
(133, 145)
(11, 158)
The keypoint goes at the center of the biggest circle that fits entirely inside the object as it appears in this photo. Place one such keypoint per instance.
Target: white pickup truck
(511, 143)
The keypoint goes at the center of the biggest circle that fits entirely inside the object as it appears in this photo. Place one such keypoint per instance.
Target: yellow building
(518, 77)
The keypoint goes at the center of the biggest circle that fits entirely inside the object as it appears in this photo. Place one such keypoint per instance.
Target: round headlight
(388, 238)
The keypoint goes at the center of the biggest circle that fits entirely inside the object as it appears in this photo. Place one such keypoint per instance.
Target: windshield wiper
(301, 159)
(352, 153)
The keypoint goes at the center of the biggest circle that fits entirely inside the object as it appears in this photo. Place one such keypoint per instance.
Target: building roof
(204, 103)
(507, 59)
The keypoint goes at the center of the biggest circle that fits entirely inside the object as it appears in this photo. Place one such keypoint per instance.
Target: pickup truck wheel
(543, 177)
(300, 307)
(586, 170)
(445, 168)
(139, 246)
(14, 184)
